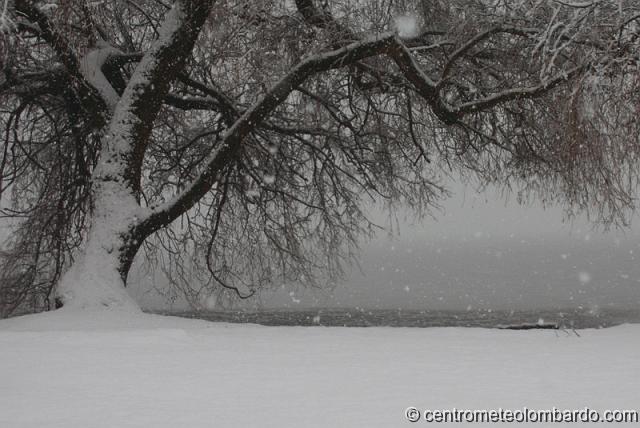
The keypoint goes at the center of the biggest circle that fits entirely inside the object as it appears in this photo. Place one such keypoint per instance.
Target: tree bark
(98, 277)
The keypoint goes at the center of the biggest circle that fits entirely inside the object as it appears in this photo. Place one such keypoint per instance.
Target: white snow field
(111, 369)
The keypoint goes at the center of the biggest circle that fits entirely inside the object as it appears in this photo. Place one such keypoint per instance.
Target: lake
(356, 317)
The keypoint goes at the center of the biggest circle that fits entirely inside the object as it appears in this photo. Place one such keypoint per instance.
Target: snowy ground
(71, 370)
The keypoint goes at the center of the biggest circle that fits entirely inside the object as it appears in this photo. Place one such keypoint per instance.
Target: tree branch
(93, 104)
(51, 35)
(148, 87)
(462, 50)
(225, 153)
(517, 93)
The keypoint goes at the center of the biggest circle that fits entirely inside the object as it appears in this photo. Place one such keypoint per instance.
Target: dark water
(571, 318)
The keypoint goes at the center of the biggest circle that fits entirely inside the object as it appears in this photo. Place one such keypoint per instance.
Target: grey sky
(484, 252)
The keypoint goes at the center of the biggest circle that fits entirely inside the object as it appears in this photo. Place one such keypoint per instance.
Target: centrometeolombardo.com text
(524, 415)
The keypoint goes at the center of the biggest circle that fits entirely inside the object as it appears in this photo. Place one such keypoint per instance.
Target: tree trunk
(97, 277)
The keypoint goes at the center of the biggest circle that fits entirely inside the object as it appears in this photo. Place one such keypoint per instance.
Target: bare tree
(247, 139)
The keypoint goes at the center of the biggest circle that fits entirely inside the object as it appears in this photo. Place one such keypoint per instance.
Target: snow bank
(108, 369)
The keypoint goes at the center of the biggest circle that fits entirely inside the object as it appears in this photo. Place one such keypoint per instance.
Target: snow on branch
(422, 83)
(6, 23)
(143, 96)
(93, 104)
(482, 36)
(576, 4)
(51, 35)
(517, 93)
(224, 154)
(91, 68)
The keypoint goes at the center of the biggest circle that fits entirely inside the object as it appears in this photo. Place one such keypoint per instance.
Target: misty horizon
(480, 252)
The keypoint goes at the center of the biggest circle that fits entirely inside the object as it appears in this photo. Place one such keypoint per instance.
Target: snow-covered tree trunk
(97, 278)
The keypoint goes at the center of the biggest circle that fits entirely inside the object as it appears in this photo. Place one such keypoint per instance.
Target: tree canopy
(242, 143)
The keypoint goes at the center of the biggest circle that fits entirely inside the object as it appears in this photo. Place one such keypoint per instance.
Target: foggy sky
(481, 252)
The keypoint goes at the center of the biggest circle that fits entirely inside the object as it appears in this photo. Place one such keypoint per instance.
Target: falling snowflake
(584, 277)
(293, 297)
(269, 179)
(407, 26)
(210, 302)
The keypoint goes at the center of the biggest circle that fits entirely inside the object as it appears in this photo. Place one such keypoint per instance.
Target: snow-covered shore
(67, 369)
